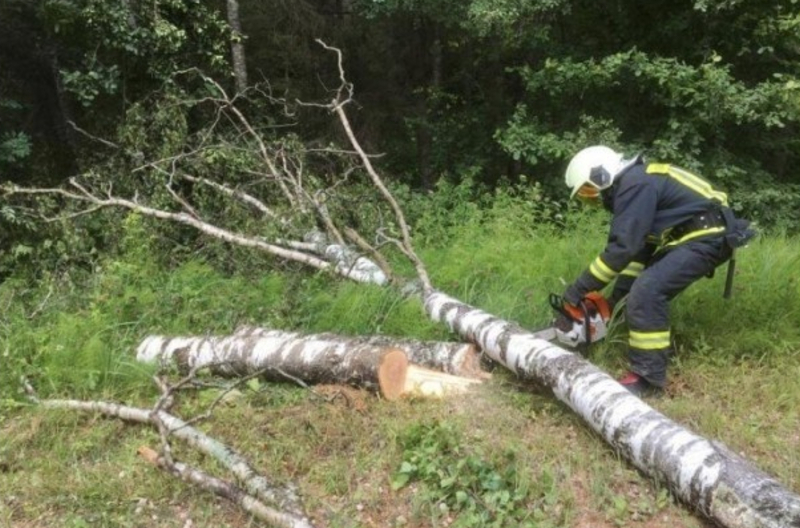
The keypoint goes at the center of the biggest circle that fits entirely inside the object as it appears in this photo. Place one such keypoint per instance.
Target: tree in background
(487, 90)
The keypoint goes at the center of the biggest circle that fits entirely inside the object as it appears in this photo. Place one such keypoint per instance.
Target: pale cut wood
(392, 373)
(426, 382)
(704, 474)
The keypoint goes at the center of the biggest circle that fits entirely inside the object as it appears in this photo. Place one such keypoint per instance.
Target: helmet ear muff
(600, 177)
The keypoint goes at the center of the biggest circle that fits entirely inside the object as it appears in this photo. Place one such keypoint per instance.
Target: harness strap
(706, 223)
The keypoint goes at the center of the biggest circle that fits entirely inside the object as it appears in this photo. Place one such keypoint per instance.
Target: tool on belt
(578, 325)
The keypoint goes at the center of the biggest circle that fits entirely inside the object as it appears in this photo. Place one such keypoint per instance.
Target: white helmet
(596, 166)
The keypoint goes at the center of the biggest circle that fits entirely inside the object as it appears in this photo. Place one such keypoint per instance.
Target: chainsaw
(574, 326)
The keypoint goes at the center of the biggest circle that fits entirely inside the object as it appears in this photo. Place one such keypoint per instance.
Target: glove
(573, 295)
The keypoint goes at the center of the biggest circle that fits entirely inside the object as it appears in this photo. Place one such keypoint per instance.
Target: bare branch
(90, 136)
(344, 96)
(255, 484)
(256, 136)
(234, 193)
(224, 489)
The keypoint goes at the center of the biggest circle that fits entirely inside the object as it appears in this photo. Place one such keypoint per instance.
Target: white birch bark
(237, 47)
(316, 358)
(703, 473)
(347, 261)
(350, 264)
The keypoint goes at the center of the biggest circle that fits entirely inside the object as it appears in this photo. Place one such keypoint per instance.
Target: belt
(700, 221)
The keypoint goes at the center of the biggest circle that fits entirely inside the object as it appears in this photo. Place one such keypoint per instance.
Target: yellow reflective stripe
(634, 269)
(601, 271)
(696, 234)
(649, 340)
(659, 168)
(694, 182)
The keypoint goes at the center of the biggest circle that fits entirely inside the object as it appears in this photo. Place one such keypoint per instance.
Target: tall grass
(77, 336)
(520, 455)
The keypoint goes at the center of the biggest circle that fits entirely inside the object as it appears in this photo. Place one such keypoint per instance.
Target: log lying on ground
(704, 474)
(458, 359)
(370, 362)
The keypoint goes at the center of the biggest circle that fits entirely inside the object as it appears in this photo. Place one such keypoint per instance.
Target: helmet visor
(588, 192)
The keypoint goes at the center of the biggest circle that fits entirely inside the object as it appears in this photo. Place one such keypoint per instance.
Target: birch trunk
(703, 473)
(237, 47)
(347, 261)
(251, 349)
(375, 363)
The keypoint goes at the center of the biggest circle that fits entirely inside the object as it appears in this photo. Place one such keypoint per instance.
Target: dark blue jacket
(650, 204)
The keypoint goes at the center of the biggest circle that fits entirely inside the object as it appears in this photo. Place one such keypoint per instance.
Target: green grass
(523, 458)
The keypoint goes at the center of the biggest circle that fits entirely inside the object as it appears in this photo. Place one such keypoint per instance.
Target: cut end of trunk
(392, 373)
(470, 366)
(425, 382)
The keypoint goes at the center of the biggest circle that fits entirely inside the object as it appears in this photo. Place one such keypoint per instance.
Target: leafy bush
(459, 481)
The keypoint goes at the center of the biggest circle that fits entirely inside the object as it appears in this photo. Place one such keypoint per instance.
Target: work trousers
(647, 307)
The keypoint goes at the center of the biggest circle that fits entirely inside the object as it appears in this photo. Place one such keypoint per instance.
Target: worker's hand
(573, 295)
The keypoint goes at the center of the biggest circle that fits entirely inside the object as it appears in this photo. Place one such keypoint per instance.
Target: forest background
(472, 110)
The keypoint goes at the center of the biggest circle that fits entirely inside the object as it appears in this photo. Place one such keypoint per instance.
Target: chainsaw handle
(579, 325)
(600, 303)
(577, 313)
(557, 303)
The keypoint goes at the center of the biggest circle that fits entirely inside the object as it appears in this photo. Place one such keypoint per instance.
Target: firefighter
(669, 228)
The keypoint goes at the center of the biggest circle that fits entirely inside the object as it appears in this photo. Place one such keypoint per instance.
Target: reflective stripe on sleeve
(601, 271)
(649, 340)
(634, 269)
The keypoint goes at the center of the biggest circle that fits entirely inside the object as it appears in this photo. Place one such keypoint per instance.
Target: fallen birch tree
(250, 349)
(371, 362)
(703, 473)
